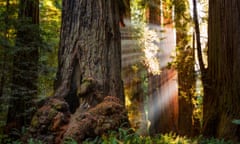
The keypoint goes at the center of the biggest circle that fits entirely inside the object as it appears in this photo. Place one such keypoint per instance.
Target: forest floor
(123, 136)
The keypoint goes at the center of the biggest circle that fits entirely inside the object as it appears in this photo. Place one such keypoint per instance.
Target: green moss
(34, 122)
(86, 85)
(52, 113)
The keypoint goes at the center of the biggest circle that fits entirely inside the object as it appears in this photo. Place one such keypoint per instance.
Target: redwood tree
(25, 65)
(187, 124)
(88, 77)
(221, 99)
(90, 53)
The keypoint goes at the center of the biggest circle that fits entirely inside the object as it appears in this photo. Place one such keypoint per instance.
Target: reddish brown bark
(89, 70)
(90, 53)
(221, 99)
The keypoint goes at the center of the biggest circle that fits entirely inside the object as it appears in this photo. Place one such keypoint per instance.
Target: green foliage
(236, 121)
(33, 141)
(138, 11)
(123, 136)
(70, 141)
(50, 21)
(127, 136)
(202, 140)
(47, 45)
(5, 139)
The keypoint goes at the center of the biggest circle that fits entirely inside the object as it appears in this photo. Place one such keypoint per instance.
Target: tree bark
(90, 53)
(221, 106)
(88, 77)
(198, 40)
(187, 124)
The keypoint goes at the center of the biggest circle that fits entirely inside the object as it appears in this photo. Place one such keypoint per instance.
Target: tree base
(53, 122)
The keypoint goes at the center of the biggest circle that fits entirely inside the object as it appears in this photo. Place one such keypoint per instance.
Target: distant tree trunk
(198, 39)
(196, 122)
(163, 111)
(154, 12)
(221, 100)
(90, 53)
(163, 95)
(186, 73)
(186, 83)
(4, 51)
(25, 65)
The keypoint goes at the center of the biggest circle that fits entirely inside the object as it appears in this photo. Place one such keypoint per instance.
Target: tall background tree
(187, 122)
(4, 35)
(221, 99)
(43, 36)
(25, 64)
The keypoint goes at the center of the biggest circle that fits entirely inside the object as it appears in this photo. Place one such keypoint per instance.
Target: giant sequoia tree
(222, 95)
(88, 77)
(90, 53)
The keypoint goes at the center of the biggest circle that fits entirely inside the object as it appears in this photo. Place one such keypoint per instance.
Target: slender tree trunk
(221, 106)
(25, 65)
(90, 53)
(198, 40)
(186, 77)
(4, 53)
(196, 127)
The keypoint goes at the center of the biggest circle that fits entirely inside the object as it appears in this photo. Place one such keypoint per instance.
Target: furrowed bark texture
(90, 52)
(222, 105)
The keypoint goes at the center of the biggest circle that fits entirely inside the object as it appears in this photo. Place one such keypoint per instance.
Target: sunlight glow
(159, 47)
(127, 100)
(151, 42)
(163, 99)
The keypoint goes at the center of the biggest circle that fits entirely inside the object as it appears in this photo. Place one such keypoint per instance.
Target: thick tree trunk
(90, 53)
(25, 65)
(88, 77)
(221, 106)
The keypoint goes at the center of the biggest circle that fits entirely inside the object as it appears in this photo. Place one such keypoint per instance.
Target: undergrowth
(127, 137)
(123, 136)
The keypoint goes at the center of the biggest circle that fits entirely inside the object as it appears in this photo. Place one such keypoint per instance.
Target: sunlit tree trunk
(221, 102)
(186, 73)
(198, 39)
(90, 53)
(163, 97)
(25, 65)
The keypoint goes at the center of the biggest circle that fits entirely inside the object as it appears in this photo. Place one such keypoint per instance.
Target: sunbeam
(164, 102)
(154, 50)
